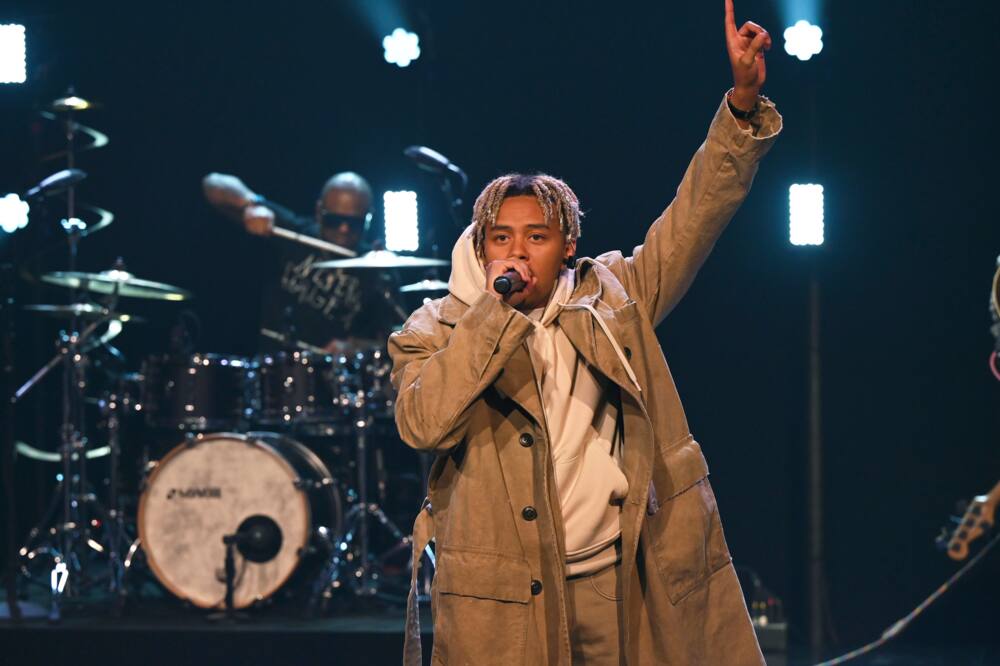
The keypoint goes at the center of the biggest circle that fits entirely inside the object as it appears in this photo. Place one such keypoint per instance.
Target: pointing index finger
(730, 19)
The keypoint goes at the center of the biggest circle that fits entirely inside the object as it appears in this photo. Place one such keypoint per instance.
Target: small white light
(13, 54)
(803, 40)
(58, 578)
(401, 47)
(402, 230)
(13, 213)
(805, 214)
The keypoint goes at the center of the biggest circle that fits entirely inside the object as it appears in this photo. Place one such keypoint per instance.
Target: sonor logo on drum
(195, 493)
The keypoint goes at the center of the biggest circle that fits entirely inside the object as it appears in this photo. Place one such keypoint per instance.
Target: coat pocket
(481, 607)
(685, 532)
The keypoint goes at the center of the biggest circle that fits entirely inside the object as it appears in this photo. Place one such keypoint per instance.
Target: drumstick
(314, 242)
(274, 335)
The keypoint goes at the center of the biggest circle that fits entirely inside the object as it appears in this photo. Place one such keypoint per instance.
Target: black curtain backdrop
(896, 118)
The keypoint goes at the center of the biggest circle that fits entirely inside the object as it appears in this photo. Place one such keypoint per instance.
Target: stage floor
(163, 632)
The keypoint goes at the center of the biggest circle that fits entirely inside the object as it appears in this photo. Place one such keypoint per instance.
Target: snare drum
(207, 488)
(196, 392)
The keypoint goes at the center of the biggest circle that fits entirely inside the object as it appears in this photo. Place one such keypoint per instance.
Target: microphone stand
(229, 615)
(454, 199)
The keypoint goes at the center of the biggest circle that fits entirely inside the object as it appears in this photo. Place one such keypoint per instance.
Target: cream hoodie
(580, 420)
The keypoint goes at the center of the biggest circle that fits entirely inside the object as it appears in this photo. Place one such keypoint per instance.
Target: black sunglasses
(329, 219)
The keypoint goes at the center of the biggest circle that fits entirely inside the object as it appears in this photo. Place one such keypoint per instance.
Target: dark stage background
(896, 118)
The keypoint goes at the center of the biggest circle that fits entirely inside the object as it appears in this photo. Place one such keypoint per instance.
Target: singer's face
(522, 232)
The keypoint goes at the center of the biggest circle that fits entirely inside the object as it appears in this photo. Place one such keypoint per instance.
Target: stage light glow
(13, 54)
(402, 230)
(401, 47)
(13, 213)
(803, 40)
(805, 214)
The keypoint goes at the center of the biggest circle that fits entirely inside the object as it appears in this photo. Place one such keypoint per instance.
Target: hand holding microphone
(509, 280)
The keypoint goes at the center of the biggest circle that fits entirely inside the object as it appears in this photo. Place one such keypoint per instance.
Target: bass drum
(205, 488)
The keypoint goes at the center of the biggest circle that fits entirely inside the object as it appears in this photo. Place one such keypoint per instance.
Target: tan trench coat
(467, 392)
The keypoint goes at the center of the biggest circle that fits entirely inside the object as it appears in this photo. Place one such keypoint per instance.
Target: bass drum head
(202, 491)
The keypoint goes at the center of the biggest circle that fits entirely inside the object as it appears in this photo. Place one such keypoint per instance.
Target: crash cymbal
(118, 282)
(81, 310)
(72, 103)
(382, 259)
(425, 285)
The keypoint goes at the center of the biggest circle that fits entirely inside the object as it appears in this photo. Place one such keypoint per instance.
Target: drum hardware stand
(365, 579)
(117, 537)
(72, 493)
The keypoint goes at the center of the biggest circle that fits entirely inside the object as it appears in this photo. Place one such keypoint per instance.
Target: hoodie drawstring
(611, 338)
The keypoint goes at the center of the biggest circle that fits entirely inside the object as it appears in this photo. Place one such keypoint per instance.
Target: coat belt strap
(423, 533)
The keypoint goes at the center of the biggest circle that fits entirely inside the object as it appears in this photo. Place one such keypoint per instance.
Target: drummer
(332, 310)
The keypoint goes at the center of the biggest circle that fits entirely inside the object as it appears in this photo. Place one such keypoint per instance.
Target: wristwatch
(740, 114)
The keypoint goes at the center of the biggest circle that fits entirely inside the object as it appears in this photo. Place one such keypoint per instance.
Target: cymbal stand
(354, 545)
(80, 508)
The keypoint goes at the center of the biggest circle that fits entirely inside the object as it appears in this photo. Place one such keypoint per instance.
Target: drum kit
(254, 476)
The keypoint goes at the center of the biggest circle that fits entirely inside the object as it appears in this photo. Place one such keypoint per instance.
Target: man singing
(569, 503)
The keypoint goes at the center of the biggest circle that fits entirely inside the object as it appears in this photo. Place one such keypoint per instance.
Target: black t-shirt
(320, 305)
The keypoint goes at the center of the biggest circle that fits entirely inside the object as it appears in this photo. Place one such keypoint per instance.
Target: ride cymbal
(117, 282)
(382, 259)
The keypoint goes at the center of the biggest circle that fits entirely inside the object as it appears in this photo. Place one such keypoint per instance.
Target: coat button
(526, 439)
(628, 353)
(536, 587)
(529, 513)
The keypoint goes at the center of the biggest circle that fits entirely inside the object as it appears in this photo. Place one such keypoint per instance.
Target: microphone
(509, 282)
(258, 538)
(57, 182)
(431, 160)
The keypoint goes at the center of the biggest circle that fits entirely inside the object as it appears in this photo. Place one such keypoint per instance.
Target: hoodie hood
(467, 275)
(468, 278)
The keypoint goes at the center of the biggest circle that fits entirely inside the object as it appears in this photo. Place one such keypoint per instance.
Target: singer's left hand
(746, 48)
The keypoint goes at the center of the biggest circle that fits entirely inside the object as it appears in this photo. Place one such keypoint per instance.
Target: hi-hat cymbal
(425, 285)
(118, 282)
(81, 310)
(72, 103)
(382, 259)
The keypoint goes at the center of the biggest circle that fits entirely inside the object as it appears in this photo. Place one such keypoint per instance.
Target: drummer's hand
(258, 220)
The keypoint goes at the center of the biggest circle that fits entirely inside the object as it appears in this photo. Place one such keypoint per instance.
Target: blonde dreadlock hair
(555, 197)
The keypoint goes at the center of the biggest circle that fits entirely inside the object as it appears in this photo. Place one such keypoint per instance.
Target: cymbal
(425, 285)
(72, 103)
(382, 259)
(81, 310)
(118, 282)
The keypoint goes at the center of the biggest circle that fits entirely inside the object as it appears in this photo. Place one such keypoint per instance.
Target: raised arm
(233, 198)
(716, 182)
